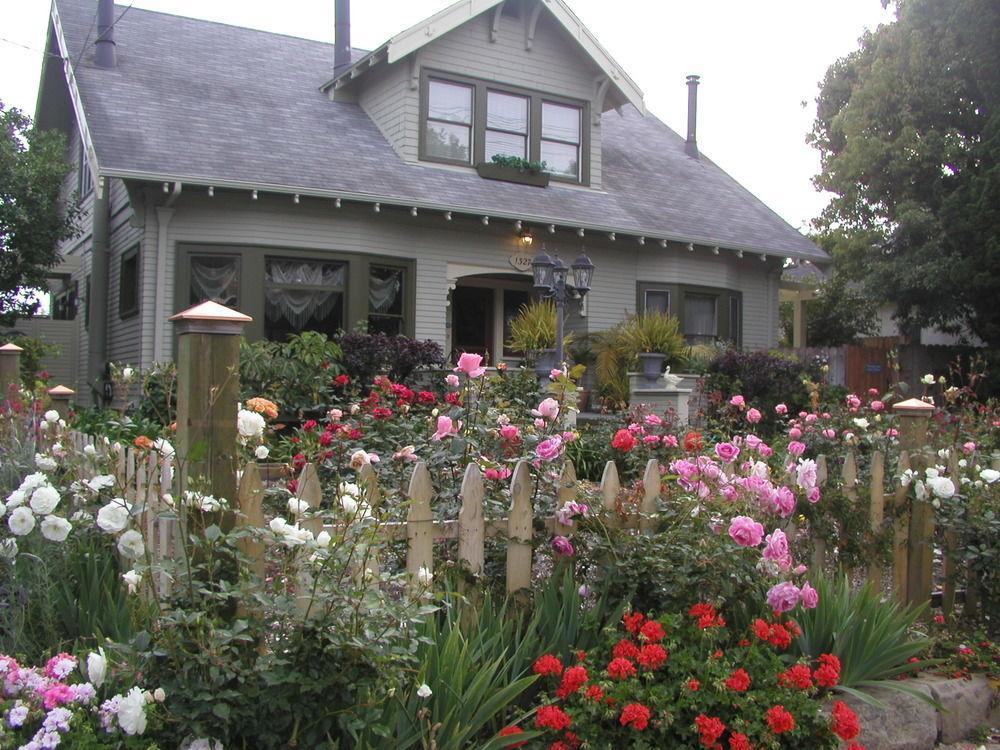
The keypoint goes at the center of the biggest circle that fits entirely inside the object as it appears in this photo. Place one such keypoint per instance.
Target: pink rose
(892, 432)
(451, 379)
(726, 452)
(651, 440)
(776, 549)
(783, 597)
(569, 436)
(753, 416)
(877, 405)
(784, 498)
(652, 419)
(446, 428)
(796, 448)
(498, 474)
(969, 448)
(738, 401)
(765, 450)
(810, 597)
(781, 409)
(795, 433)
(555, 374)
(549, 449)
(670, 441)
(810, 418)
(548, 408)
(829, 433)
(471, 365)
(730, 492)
(814, 495)
(539, 423)
(745, 531)
(562, 546)
(510, 433)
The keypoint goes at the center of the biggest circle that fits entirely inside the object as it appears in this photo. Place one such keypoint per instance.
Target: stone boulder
(905, 723)
(965, 704)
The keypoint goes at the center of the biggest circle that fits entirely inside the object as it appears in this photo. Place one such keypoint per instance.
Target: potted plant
(620, 350)
(514, 169)
(533, 333)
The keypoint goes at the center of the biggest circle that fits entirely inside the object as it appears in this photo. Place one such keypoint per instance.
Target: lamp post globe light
(554, 280)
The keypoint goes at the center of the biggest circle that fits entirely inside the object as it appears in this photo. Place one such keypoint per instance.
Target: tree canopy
(908, 130)
(32, 221)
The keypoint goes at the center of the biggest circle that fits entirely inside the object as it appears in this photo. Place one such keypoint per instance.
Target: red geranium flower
(780, 720)
(845, 721)
(738, 681)
(633, 621)
(710, 728)
(573, 679)
(739, 741)
(652, 656)
(828, 673)
(621, 669)
(341, 380)
(694, 686)
(624, 441)
(636, 715)
(595, 693)
(552, 717)
(797, 676)
(512, 730)
(548, 664)
(653, 632)
(625, 649)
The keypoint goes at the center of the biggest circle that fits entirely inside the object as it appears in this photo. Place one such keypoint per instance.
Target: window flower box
(492, 171)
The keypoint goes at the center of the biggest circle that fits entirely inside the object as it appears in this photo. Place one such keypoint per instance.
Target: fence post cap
(10, 349)
(913, 407)
(61, 390)
(210, 317)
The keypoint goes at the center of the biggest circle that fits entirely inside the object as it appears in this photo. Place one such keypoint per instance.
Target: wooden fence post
(10, 368)
(519, 530)
(250, 499)
(877, 514)
(309, 491)
(901, 534)
(208, 388)
(651, 486)
(61, 396)
(849, 475)
(914, 415)
(610, 487)
(949, 569)
(419, 524)
(471, 522)
(818, 561)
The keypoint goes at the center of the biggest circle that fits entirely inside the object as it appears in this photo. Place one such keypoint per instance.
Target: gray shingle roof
(208, 102)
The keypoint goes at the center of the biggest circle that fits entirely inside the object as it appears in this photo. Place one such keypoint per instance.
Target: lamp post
(552, 280)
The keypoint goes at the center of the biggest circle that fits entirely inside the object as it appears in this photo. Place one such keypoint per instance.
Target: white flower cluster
(293, 535)
(113, 518)
(35, 497)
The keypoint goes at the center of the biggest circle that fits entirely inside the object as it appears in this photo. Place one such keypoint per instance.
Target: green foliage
(111, 424)
(159, 395)
(841, 312)
(32, 220)
(31, 358)
(617, 350)
(908, 130)
(516, 162)
(296, 374)
(534, 328)
(870, 636)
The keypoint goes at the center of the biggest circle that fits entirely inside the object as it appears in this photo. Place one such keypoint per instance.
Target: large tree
(32, 220)
(908, 129)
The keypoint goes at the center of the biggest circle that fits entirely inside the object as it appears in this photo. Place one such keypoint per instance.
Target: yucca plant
(871, 637)
(618, 349)
(534, 328)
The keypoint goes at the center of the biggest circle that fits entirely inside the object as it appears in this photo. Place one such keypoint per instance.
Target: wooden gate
(870, 366)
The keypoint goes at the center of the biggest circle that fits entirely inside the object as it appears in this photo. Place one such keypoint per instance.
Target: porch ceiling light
(583, 273)
(541, 270)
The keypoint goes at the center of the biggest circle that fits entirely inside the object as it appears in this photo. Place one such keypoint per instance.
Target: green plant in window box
(516, 162)
(514, 169)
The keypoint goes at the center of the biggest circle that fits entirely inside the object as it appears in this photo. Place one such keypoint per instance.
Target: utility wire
(93, 22)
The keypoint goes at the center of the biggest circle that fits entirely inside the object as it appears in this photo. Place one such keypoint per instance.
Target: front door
(472, 321)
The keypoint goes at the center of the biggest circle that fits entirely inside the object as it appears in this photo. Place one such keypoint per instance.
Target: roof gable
(420, 35)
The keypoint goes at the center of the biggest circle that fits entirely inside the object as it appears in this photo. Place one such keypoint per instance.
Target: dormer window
(465, 121)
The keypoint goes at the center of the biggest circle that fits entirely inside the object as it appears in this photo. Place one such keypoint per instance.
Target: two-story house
(316, 186)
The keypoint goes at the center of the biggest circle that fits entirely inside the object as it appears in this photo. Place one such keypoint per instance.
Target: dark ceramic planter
(652, 365)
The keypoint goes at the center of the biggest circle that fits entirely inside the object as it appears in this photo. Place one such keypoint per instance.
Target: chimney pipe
(104, 48)
(691, 145)
(342, 37)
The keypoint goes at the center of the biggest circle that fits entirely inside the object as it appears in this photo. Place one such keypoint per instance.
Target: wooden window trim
(126, 312)
(677, 294)
(252, 261)
(535, 100)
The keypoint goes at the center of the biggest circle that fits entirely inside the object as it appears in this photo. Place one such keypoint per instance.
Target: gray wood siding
(124, 336)
(554, 65)
(442, 248)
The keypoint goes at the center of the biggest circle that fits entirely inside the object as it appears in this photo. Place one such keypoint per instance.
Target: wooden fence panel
(818, 562)
(519, 530)
(651, 487)
(565, 493)
(419, 524)
(471, 523)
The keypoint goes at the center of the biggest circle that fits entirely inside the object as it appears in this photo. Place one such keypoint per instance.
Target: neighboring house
(315, 186)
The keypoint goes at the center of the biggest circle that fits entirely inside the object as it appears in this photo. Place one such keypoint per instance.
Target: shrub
(366, 355)
(296, 374)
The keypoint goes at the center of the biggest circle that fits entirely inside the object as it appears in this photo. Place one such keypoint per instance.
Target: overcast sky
(760, 62)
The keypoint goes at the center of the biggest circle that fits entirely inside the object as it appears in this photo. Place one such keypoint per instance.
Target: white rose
(100, 482)
(51, 416)
(45, 463)
(277, 525)
(349, 504)
(294, 536)
(163, 447)
(89, 450)
(44, 500)
(424, 691)
(97, 667)
(250, 424)
(861, 423)
(942, 487)
(114, 516)
(323, 539)
(159, 695)
(262, 452)
(132, 580)
(424, 576)
(989, 475)
(32, 481)
(130, 544)
(15, 498)
(55, 528)
(132, 712)
(127, 373)
(21, 521)
(927, 379)
(296, 506)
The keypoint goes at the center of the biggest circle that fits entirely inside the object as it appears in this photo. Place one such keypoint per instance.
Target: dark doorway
(472, 320)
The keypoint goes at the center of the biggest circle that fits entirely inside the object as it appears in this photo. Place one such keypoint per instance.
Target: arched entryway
(480, 308)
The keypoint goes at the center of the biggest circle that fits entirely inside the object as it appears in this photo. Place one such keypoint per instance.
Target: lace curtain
(382, 293)
(699, 315)
(215, 279)
(300, 290)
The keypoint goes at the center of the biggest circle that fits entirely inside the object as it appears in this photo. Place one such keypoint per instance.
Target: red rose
(693, 442)
(573, 679)
(510, 731)
(426, 397)
(780, 720)
(548, 664)
(624, 441)
(299, 461)
(325, 439)
(738, 681)
(845, 721)
(382, 412)
(652, 656)
(341, 380)
(453, 398)
(552, 717)
(636, 715)
(309, 425)
(621, 669)
(694, 686)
